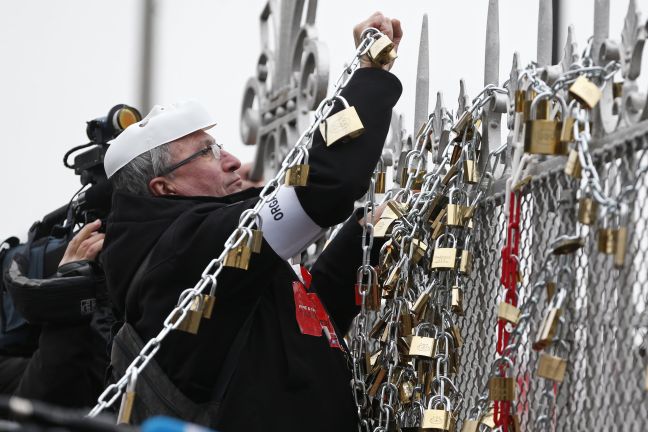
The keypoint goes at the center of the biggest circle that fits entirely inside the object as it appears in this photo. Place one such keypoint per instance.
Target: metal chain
(242, 233)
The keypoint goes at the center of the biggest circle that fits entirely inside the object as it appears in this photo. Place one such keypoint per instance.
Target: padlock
(128, 399)
(419, 178)
(191, 321)
(455, 207)
(382, 51)
(587, 210)
(405, 322)
(342, 125)
(422, 346)
(381, 177)
(567, 245)
(456, 335)
(501, 389)
(444, 258)
(239, 256)
(470, 174)
(552, 367)
(297, 175)
(548, 329)
(209, 300)
(457, 149)
(567, 129)
(464, 122)
(520, 99)
(452, 172)
(456, 305)
(508, 312)
(435, 419)
(378, 379)
(420, 305)
(606, 240)
(405, 391)
(542, 136)
(620, 246)
(378, 328)
(470, 425)
(465, 263)
(573, 166)
(585, 91)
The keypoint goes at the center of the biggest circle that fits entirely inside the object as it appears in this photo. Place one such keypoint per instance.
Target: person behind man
(253, 365)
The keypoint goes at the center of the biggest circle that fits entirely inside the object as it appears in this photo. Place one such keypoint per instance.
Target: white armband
(286, 226)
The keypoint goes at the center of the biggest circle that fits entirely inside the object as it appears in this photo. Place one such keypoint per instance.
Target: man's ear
(159, 186)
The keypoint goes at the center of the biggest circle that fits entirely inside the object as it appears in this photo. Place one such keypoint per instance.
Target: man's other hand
(85, 245)
(389, 27)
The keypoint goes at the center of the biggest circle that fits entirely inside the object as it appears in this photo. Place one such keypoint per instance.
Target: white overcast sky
(68, 61)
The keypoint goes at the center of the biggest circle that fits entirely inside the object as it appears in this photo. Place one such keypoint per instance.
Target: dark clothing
(285, 380)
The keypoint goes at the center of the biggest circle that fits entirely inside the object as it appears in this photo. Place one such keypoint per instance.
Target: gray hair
(135, 176)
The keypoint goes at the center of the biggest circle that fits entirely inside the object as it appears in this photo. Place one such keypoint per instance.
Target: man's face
(204, 175)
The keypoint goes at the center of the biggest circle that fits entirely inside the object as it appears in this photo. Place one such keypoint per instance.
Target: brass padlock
(343, 125)
(585, 91)
(606, 240)
(456, 208)
(379, 377)
(417, 183)
(127, 401)
(437, 420)
(552, 367)
(382, 51)
(457, 301)
(209, 300)
(381, 177)
(257, 241)
(620, 246)
(444, 258)
(465, 263)
(548, 329)
(421, 304)
(239, 256)
(587, 210)
(419, 249)
(456, 335)
(470, 174)
(422, 346)
(508, 312)
(573, 166)
(465, 121)
(567, 130)
(470, 426)
(191, 321)
(501, 389)
(542, 136)
(405, 391)
(297, 175)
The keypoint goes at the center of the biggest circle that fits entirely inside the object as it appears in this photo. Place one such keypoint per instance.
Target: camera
(91, 202)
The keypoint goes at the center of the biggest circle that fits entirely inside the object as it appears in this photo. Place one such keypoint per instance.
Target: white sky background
(68, 61)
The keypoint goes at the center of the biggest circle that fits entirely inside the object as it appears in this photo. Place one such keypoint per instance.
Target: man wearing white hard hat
(256, 364)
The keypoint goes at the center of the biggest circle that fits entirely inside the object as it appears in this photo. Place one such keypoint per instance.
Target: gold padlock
(585, 91)
(508, 312)
(587, 210)
(456, 335)
(465, 263)
(542, 136)
(470, 172)
(606, 240)
(379, 377)
(457, 301)
(209, 300)
(501, 389)
(127, 401)
(239, 256)
(381, 177)
(421, 304)
(191, 321)
(456, 209)
(444, 258)
(422, 346)
(573, 166)
(552, 367)
(620, 246)
(382, 51)
(257, 241)
(470, 426)
(548, 329)
(343, 125)
(437, 420)
(297, 175)
(417, 183)
(465, 121)
(419, 249)
(567, 129)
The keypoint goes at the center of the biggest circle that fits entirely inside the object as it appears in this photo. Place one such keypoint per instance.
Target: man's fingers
(88, 248)
(398, 32)
(94, 250)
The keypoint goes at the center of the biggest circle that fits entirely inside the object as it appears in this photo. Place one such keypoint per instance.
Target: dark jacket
(285, 380)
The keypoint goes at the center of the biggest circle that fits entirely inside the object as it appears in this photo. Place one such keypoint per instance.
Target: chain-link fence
(605, 319)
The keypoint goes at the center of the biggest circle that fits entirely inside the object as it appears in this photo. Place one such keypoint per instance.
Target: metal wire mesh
(605, 319)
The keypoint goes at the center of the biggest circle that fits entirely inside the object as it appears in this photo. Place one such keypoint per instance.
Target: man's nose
(229, 162)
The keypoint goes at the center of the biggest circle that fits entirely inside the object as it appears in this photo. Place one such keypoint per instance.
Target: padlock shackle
(440, 400)
(547, 95)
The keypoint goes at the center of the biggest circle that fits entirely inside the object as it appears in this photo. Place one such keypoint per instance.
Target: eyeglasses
(215, 148)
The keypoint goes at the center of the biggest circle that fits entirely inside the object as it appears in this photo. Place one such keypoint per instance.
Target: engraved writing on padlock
(542, 136)
(444, 258)
(297, 175)
(501, 389)
(552, 367)
(573, 166)
(422, 346)
(585, 91)
(345, 124)
(382, 51)
(587, 210)
(436, 420)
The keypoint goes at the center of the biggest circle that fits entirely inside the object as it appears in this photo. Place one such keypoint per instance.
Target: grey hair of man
(135, 176)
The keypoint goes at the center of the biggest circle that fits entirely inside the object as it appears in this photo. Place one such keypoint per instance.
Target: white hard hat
(165, 123)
